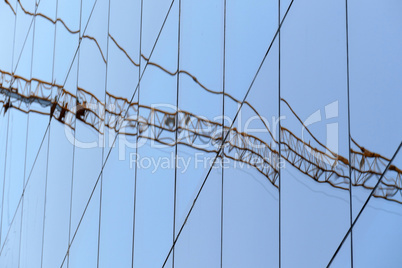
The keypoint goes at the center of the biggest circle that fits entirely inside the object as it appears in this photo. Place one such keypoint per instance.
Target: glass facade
(200, 133)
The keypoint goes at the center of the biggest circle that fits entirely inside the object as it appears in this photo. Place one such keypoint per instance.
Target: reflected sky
(96, 95)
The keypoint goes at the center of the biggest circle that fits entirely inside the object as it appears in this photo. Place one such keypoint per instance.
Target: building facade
(200, 133)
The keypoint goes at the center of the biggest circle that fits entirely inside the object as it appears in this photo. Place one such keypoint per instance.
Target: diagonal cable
(365, 204)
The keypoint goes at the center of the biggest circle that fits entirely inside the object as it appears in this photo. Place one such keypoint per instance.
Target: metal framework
(320, 164)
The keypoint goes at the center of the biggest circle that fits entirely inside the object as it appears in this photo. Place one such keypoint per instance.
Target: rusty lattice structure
(125, 117)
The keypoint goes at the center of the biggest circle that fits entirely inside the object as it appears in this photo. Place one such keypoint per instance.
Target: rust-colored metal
(120, 115)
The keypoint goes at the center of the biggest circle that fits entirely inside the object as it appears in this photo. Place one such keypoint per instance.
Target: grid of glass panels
(200, 133)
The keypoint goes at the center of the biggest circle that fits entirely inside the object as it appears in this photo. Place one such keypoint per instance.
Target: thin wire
(32, 60)
(176, 132)
(15, 29)
(4, 178)
(26, 147)
(365, 204)
(71, 204)
(349, 137)
(223, 123)
(103, 140)
(22, 204)
(26, 37)
(47, 156)
(136, 144)
(8, 123)
(226, 135)
(54, 40)
(47, 153)
(280, 140)
(75, 132)
(48, 143)
(44, 205)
